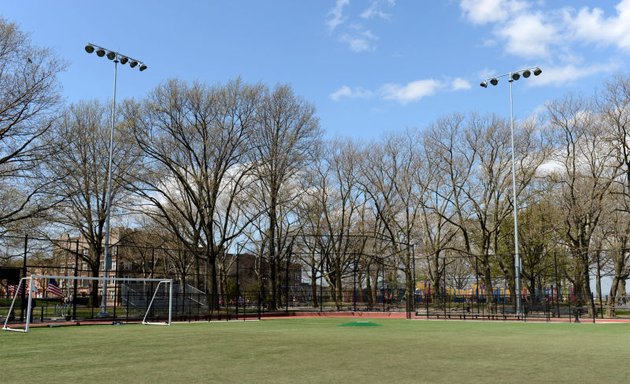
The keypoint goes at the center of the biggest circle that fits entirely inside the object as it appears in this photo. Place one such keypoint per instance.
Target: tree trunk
(368, 287)
(339, 289)
(612, 297)
(95, 302)
(586, 287)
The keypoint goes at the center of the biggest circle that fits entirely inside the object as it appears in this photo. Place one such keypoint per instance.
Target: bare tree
(473, 185)
(311, 228)
(286, 142)
(617, 242)
(538, 228)
(29, 96)
(388, 177)
(195, 140)
(339, 201)
(79, 165)
(439, 176)
(613, 105)
(584, 176)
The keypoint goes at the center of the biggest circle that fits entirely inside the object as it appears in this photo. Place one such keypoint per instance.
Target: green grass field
(320, 351)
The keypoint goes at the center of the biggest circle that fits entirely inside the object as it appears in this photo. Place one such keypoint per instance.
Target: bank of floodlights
(115, 56)
(513, 76)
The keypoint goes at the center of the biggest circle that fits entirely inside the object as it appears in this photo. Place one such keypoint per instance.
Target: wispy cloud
(355, 29)
(350, 93)
(359, 39)
(335, 15)
(402, 93)
(377, 9)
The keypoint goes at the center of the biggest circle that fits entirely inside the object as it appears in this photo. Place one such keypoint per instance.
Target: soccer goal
(59, 299)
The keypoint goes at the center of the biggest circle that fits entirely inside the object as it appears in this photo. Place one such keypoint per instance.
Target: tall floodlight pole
(514, 76)
(116, 57)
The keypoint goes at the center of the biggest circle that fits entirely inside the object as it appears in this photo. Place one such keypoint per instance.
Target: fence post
(25, 271)
(321, 287)
(383, 293)
(75, 282)
(116, 283)
(444, 289)
(547, 314)
(260, 295)
(238, 289)
(286, 281)
(128, 304)
(413, 293)
(354, 283)
(551, 303)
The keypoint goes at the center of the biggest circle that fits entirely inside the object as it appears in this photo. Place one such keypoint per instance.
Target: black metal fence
(244, 289)
(500, 307)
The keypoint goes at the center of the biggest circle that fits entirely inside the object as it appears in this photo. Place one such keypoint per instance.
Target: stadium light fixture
(122, 59)
(514, 76)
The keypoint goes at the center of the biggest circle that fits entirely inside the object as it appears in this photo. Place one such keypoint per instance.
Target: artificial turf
(320, 351)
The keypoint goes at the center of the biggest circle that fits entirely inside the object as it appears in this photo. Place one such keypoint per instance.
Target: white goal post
(28, 284)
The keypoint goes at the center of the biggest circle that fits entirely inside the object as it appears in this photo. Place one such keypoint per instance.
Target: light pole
(514, 76)
(116, 57)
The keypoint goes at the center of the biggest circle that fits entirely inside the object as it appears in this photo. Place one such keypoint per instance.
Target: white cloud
(460, 84)
(592, 26)
(562, 75)
(549, 168)
(491, 11)
(403, 93)
(335, 15)
(375, 10)
(529, 35)
(534, 29)
(412, 91)
(525, 33)
(347, 92)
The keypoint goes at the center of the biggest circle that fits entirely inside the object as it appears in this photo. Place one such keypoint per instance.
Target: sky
(370, 67)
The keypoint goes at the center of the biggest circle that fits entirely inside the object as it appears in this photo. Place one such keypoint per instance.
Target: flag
(53, 288)
(13, 288)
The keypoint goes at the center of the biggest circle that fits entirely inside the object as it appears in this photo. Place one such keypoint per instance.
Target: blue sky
(370, 67)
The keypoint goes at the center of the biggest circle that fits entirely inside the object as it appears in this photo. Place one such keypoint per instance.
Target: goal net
(65, 300)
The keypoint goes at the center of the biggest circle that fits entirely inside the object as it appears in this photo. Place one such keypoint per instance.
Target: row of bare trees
(213, 170)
